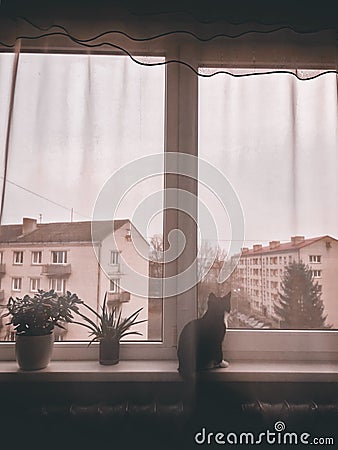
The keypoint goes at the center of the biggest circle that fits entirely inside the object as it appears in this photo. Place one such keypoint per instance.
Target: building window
(316, 273)
(59, 257)
(34, 284)
(114, 285)
(18, 258)
(37, 257)
(58, 285)
(315, 258)
(114, 257)
(16, 284)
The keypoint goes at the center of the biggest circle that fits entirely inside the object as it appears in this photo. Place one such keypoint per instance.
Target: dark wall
(158, 415)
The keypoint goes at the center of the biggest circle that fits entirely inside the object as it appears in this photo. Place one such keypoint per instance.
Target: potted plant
(109, 330)
(34, 319)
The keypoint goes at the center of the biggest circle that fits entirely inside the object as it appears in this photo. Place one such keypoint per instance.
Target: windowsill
(166, 371)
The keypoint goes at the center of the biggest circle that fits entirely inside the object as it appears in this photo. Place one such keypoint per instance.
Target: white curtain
(76, 119)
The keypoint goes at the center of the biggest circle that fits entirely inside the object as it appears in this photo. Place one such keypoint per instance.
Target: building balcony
(117, 297)
(2, 269)
(56, 270)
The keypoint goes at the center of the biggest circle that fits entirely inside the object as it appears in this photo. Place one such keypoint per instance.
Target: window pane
(77, 119)
(275, 139)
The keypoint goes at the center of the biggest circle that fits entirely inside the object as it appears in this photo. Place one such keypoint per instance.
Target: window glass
(59, 257)
(83, 119)
(18, 257)
(16, 284)
(270, 136)
(36, 257)
(35, 284)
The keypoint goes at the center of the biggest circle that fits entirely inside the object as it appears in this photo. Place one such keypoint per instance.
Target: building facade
(68, 257)
(260, 271)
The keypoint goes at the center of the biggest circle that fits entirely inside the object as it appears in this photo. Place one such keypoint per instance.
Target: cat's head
(219, 304)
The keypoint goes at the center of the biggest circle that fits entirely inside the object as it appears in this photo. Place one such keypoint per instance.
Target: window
(34, 284)
(37, 257)
(58, 285)
(316, 273)
(315, 258)
(182, 98)
(115, 285)
(103, 104)
(114, 257)
(16, 284)
(59, 257)
(238, 120)
(18, 258)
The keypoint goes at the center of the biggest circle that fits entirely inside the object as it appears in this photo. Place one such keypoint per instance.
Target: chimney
(274, 244)
(297, 240)
(245, 249)
(28, 225)
(257, 247)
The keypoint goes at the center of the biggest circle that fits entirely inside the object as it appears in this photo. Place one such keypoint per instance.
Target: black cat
(200, 342)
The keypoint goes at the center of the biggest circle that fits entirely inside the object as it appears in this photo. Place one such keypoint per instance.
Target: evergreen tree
(300, 305)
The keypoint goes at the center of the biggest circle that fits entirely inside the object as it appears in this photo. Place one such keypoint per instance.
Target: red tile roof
(284, 247)
(60, 231)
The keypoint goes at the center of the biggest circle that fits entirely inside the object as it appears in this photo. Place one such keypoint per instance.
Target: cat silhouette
(200, 342)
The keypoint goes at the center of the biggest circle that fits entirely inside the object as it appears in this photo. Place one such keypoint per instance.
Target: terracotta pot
(109, 351)
(34, 352)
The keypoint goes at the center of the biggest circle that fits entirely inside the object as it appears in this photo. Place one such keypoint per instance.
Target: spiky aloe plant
(110, 324)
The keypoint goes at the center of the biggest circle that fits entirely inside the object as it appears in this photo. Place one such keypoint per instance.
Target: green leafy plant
(110, 324)
(38, 315)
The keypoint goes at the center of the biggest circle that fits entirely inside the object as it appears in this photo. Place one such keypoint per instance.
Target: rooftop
(59, 231)
(296, 243)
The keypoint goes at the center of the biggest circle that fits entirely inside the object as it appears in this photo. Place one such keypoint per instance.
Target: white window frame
(16, 284)
(181, 135)
(32, 284)
(53, 284)
(39, 259)
(114, 286)
(114, 257)
(316, 273)
(315, 259)
(18, 257)
(62, 253)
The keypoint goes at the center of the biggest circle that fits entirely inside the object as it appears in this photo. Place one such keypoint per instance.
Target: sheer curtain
(75, 120)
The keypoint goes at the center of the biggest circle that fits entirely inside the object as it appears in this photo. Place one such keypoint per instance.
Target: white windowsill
(166, 371)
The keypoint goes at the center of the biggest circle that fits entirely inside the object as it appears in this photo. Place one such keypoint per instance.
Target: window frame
(115, 283)
(181, 135)
(58, 253)
(14, 281)
(63, 284)
(18, 261)
(31, 282)
(39, 262)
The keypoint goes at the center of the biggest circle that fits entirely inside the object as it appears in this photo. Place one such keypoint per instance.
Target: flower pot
(34, 352)
(109, 351)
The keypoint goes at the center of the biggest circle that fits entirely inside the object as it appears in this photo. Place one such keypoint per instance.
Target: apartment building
(63, 256)
(260, 271)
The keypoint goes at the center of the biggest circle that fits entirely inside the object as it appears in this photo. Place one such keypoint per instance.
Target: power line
(46, 198)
